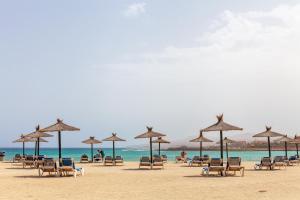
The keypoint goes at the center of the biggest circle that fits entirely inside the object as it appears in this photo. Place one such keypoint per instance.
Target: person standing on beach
(101, 152)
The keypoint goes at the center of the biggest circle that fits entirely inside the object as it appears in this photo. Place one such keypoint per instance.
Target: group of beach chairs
(29, 160)
(65, 167)
(214, 165)
(157, 161)
(108, 160)
(217, 165)
(277, 162)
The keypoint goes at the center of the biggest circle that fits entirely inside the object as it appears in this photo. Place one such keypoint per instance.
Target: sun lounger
(234, 164)
(97, 158)
(294, 160)
(48, 165)
(119, 160)
(158, 162)
(28, 161)
(180, 159)
(66, 166)
(108, 160)
(216, 165)
(264, 163)
(17, 158)
(145, 162)
(38, 160)
(196, 161)
(84, 158)
(164, 158)
(279, 161)
(205, 160)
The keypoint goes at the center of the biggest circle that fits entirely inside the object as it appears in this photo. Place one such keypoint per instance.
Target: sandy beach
(176, 181)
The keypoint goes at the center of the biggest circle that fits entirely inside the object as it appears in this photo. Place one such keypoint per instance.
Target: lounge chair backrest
(205, 157)
(266, 160)
(119, 158)
(293, 158)
(67, 162)
(84, 156)
(164, 156)
(29, 158)
(17, 156)
(157, 159)
(278, 159)
(216, 162)
(108, 158)
(145, 159)
(196, 158)
(49, 162)
(40, 157)
(234, 161)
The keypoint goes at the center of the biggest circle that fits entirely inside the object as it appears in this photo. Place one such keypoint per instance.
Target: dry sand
(127, 182)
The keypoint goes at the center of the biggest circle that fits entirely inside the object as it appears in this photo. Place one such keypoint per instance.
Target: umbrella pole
(23, 149)
(159, 148)
(151, 160)
(92, 151)
(221, 144)
(297, 150)
(114, 153)
(38, 146)
(226, 150)
(35, 144)
(285, 146)
(269, 146)
(200, 150)
(59, 145)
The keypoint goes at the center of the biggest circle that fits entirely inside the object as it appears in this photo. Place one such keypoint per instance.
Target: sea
(135, 154)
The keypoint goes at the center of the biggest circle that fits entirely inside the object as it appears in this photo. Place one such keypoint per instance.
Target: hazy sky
(117, 66)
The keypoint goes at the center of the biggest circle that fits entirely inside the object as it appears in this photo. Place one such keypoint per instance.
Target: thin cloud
(135, 10)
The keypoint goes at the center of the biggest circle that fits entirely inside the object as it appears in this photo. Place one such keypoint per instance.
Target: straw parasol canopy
(92, 141)
(38, 135)
(296, 141)
(221, 126)
(285, 139)
(160, 140)
(24, 139)
(114, 138)
(59, 126)
(150, 134)
(268, 133)
(201, 139)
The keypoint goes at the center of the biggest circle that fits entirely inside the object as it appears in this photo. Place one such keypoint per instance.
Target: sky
(119, 66)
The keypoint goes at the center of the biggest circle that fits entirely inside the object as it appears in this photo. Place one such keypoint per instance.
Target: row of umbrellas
(114, 138)
(220, 126)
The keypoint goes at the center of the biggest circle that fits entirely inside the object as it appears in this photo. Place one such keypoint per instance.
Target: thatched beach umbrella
(160, 140)
(114, 138)
(286, 140)
(268, 133)
(150, 134)
(296, 141)
(201, 139)
(92, 141)
(24, 139)
(38, 135)
(221, 126)
(59, 126)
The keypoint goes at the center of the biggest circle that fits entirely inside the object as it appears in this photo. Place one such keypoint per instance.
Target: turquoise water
(134, 155)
